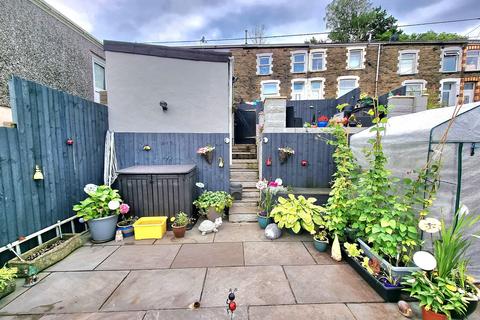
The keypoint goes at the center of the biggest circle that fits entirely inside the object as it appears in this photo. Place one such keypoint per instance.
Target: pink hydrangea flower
(124, 208)
(273, 184)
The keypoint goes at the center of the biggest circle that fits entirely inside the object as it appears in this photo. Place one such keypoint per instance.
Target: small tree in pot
(179, 224)
(100, 210)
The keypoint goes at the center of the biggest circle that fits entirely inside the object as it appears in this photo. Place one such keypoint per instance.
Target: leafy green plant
(297, 213)
(216, 199)
(102, 201)
(352, 250)
(321, 235)
(6, 276)
(339, 202)
(180, 220)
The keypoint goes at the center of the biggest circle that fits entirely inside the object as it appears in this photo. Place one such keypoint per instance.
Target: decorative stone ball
(232, 306)
(272, 232)
(231, 296)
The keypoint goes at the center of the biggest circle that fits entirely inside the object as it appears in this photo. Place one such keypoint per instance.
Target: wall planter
(263, 220)
(395, 271)
(9, 288)
(320, 245)
(207, 153)
(103, 229)
(389, 294)
(284, 153)
(179, 232)
(47, 254)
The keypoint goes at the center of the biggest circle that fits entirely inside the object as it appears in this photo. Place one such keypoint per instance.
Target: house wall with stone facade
(247, 84)
(37, 45)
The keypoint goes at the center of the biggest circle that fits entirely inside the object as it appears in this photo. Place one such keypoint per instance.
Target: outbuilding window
(98, 78)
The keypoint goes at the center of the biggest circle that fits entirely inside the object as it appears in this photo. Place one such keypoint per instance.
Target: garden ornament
(405, 309)
(336, 252)
(208, 226)
(424, 260)
(231, 304)
(272, 232)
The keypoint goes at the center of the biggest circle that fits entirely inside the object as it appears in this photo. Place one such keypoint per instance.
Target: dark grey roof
(165, 52)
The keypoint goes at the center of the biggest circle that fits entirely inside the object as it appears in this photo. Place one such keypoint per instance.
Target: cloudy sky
(168, 20)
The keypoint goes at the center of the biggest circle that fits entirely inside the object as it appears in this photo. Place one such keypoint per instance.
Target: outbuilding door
(245, 124)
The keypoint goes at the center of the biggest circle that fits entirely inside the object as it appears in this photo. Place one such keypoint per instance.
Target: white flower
(200, 185)
(114, 205)
(90, 188)
(260, 185)
(463, 211)
(278, 181)
(430, 225)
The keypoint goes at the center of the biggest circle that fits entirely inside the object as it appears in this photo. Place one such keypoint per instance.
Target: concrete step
(246, 184)
(240, 213)
(244, 175)
(242, 217)
(242, 209)
(251, 194)
(246, 202)
(243, 161)
(244, 147)
(244, 165)
(244, 155)
(243, 170)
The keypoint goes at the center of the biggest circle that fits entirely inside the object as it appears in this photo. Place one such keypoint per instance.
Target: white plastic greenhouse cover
(406, 146)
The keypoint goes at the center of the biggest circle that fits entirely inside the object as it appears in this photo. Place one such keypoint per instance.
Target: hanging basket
(283, 156)
(208, 156)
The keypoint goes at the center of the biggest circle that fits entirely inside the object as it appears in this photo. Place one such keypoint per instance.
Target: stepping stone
(329, 284)
(321, 257)
(239, 232)
(380, 311)
(67, 292)
(311, 312)
(276, 253)
(198, 314)
(97, 316)
(256, 286)
(209, 255)
(84, 258)
(141, 257)
(157, 289)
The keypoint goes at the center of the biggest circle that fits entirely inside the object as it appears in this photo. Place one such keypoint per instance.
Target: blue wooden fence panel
(308, 146)
(176, 148)
(45, 119)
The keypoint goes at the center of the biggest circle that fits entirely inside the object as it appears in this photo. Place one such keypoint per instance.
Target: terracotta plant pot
(179, 232)
(430, 315)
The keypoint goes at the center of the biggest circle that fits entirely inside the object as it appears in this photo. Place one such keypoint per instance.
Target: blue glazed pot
(320, 245)
(263, 221)
(322, 124)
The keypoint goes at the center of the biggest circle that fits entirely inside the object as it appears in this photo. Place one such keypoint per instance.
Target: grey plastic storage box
(158, 190)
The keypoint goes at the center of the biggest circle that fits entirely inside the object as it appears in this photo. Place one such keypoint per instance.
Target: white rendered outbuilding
(408, 143)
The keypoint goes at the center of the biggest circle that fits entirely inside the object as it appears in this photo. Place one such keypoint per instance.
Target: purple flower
(124, 208)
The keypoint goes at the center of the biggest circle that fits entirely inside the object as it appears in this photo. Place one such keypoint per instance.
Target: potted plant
(299, 213)
(213, 203)
(284, 153)
(320, 240)
(352, 121)
(207, 153)
(268, 190)
(179, 224)
(100, 211)
(322, 121)
(126, 223)
(7, 281)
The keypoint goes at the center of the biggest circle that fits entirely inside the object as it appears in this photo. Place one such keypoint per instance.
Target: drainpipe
(378, 69)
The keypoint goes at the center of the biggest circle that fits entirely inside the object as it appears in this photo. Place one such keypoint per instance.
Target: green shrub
(6, 275)
(102, 201)
(216, 199)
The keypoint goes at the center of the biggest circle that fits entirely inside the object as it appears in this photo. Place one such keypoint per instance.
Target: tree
(257, 34)
(314, 40)
(432, 36)
(356, 20)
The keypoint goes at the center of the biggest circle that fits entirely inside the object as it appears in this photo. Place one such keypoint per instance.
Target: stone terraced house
(444, 70)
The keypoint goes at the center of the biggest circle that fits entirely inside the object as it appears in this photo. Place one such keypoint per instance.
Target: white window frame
(322, 89)
(270, 60)
(416, 81)
(356, 78)
(305, 63)
(457, 85)
(472, 91)
(303, 93)
(324, 58)
(262, 95)
(415, 63)
(477, 68)
(362, 59)
(96, 91)
(459, 58)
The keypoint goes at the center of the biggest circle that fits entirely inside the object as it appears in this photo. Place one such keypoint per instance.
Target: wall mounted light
(38, 174)
(164, 105)
(268, 162)
(147, 148)
(221, 164)
(226, 140)
(265, 140)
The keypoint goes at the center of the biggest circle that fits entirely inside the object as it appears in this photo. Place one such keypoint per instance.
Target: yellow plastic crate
(150, 228)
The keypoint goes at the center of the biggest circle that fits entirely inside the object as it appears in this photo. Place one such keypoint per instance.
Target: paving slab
(209, 255)
(19, 289)
(329, 284)
(29, 317)
(294, 237)
(380, 311)
(256, 286)
(157, 289)
(125, 242)
(140, 257)
(238, 232)
(198, 314)
(310, 312)
(138, 315)
(84, 258)
(321, 257)
(276, 253)
(191, 236)
(67, 292)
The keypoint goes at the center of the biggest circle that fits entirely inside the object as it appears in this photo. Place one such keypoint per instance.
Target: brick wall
(247, 86)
